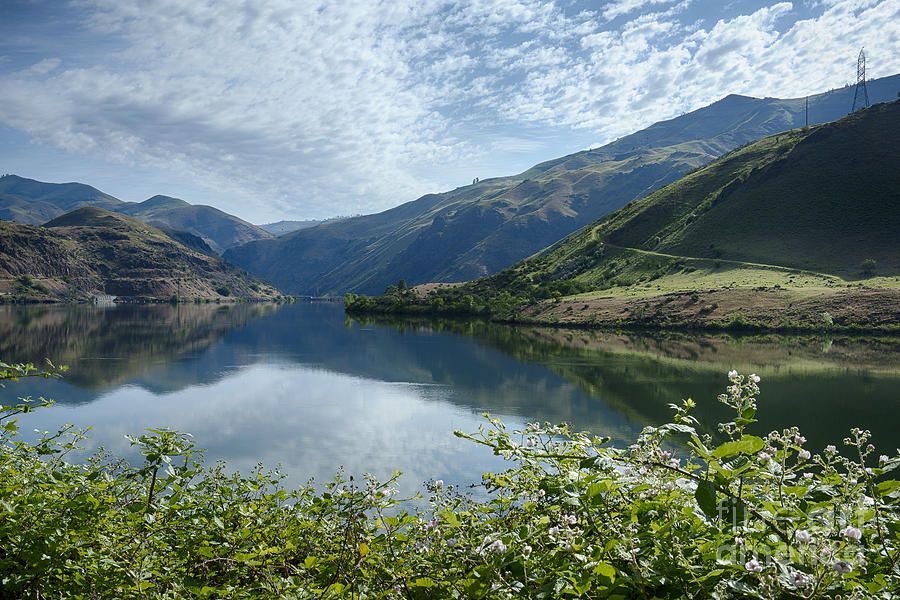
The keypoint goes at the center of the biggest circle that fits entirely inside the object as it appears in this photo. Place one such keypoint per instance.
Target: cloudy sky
(273, 109)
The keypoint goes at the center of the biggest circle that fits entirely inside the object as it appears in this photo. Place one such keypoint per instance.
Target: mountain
(218, 229)
(782, 232)
(482, 228)
(35, 202)
(95, 251)
(282, 227)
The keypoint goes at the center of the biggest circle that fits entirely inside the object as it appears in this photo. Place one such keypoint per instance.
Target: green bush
(676, 514)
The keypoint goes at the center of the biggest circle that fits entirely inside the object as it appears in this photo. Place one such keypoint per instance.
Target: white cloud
(316, 108)
(43, 67)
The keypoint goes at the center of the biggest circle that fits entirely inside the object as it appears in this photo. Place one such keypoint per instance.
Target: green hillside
(781, 229)
(35, 202)
(94, 251)
(482, 228)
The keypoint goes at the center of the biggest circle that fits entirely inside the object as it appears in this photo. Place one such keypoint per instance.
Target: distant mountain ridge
(482, 228)
(91, 250)
(35, 202)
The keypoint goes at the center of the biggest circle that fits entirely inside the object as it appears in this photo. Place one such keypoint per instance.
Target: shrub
(677, 514)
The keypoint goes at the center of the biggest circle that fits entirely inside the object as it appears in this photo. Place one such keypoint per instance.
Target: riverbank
(762, 308)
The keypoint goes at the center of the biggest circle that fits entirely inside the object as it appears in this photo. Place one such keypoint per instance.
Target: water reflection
(301, 386)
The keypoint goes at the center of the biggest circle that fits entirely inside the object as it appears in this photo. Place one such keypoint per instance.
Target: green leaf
(606, 570)
(598, 487)
(748, 444)
(886, 487)
(706, 499)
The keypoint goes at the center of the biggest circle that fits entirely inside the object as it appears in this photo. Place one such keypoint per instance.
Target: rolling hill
(95, 251)
(482, 228)
(783, 229)
(35, 202)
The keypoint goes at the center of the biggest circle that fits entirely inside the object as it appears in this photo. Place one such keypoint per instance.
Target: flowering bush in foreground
(674, 515)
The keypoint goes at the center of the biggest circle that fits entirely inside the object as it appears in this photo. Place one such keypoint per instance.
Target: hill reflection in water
(301, 386)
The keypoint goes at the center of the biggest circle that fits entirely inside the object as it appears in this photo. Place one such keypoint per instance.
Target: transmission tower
(861, 81)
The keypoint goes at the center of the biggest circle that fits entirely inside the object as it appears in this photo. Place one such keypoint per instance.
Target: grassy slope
(92, 250)
(799, 210)
(218, 229)
(35, 202)
(479, 229)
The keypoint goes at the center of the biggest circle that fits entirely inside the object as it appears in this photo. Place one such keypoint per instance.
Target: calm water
(302, 386)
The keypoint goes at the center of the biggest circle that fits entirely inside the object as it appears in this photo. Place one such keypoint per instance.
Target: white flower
(883, 459)
(531, 442)
(804, 454)
(526, 551)
(764, 457)
(852, 533)
(498, 547)
(807, 476)
(732, 374)
(799, 579)
(439, 483)
(675, 463)
(842, 567)
(754, 377)
(669, 486)
(739, 540)
(570, 519)
(753, 566)
(772, 450)
(553, 531)
(803, 536)
(799, 439)
(830, 448)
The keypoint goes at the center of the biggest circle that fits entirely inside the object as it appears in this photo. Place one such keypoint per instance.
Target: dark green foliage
(572, 516)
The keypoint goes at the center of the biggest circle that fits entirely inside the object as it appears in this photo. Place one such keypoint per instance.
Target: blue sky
(273, 109)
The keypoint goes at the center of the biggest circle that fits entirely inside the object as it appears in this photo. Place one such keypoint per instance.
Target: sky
(306, 109)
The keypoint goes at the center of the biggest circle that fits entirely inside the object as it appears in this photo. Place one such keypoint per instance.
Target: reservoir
(303, 387)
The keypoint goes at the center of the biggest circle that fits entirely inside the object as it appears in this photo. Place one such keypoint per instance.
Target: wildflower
(754, 377)
(675, 463)
(753, 566)
(804, 454)
(553, 531)
(799, 439)
(439, 483)
(807, 476)
(764, 457)
(799, 579)
(831, 448)
(852, 533)
(432, 524)
(802, 536)
(531, 442)
(669, 486)
(526, 551)
(738, 540)
(870, 447)
(732, 374)
(498, 546)
(842, 567)
(534, 426)
(883, 459)
(772, 450)
(570, 519)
